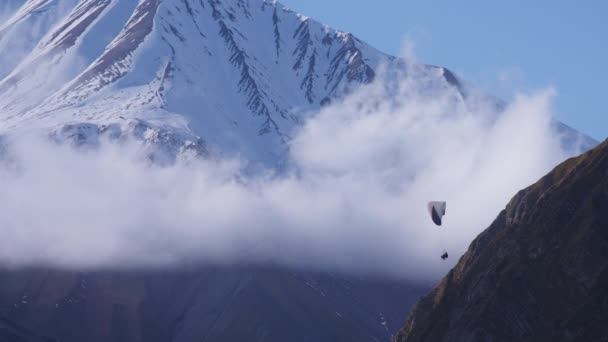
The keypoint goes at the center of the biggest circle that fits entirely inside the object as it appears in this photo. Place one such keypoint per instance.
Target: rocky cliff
(538, 273)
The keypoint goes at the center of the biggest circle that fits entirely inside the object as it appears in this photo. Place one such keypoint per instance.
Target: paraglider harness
(444, 255)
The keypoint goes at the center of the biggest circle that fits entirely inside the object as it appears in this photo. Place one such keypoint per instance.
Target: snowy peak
(238, 73)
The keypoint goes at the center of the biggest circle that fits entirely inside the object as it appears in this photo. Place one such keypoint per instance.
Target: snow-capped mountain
(182, 74)
(197, 76)
(237, 73)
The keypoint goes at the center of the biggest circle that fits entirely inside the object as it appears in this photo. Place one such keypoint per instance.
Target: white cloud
(354, 199)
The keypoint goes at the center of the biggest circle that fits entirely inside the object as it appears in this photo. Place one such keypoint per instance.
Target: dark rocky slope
(538, 273)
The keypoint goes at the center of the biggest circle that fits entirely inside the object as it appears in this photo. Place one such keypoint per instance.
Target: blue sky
(503, 46)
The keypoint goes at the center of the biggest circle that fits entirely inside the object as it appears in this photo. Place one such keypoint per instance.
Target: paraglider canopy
(436, 210)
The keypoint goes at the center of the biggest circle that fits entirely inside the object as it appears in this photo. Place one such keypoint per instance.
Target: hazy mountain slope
(228, 304)
(10, 332)
(538, 273)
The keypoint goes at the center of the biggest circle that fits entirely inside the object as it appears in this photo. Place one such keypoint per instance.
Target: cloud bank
(353, 198)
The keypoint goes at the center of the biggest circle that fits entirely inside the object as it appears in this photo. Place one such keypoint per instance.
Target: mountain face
(538, 273)
(210, 304)
(238, 74)
(12, 332)
(229, 75)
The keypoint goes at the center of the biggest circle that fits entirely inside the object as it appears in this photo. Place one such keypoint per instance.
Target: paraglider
(437, 211)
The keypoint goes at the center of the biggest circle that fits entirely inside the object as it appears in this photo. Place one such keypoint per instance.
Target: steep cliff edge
(538, 273)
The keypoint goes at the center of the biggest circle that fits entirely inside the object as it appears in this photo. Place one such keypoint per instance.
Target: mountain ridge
(156, 41)
(198, 70)
(537, 273)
